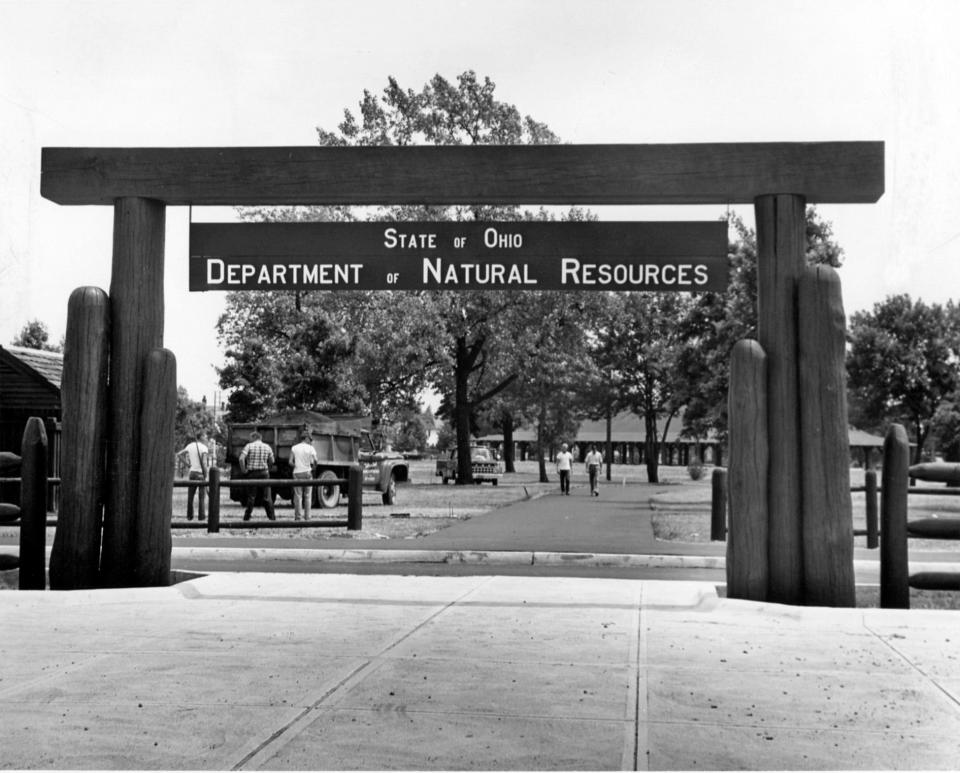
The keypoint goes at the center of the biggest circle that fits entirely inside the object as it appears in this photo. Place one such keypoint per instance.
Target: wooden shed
(30, 386)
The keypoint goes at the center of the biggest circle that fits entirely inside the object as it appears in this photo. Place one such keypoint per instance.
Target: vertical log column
(748, 574)
(33, 506)
(154, 543)
(75, 559)
(825, 446)
(894, 555)
(136, 304)
(780, 262)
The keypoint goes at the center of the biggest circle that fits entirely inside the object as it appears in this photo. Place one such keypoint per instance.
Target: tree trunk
(921, 441)
(652, 448)
(508, 461)
(608, 449)
(541, 457)
(461, 414)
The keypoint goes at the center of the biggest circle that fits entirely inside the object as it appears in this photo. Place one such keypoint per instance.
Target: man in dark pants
(255, 460)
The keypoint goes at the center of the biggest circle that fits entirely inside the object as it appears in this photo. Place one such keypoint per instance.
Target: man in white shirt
(304, 458)
(593, 462)
(564, 466)
(199, 457)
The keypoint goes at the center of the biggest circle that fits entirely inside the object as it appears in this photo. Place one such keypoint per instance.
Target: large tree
(469, 323)
(902, 364)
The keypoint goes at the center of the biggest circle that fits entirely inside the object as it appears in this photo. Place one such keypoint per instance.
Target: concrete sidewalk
(314, 672)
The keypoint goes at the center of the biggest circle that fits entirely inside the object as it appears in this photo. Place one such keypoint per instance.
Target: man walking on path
(255, 460)
(593, 462)
(564, 466)
(304, 457)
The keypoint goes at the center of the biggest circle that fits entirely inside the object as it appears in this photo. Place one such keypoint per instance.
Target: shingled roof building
(628, 435)
(30, 386)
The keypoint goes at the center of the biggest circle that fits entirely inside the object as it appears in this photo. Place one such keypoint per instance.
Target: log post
(828, 575)
(894, 569)
(75, 558)
(355, 498)
(748, 538)
(153, 540)
(781, 240)
(33, 506)
(873, 523)
(136, 311)
(213, 501)
(718, 505)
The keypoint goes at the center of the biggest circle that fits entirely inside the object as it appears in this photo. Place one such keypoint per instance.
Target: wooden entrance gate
(778, 179)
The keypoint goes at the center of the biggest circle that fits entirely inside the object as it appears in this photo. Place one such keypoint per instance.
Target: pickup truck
(339, 445)
(484, 466)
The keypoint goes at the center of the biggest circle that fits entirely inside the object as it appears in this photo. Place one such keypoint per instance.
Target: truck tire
(390, 494)
(329, 493)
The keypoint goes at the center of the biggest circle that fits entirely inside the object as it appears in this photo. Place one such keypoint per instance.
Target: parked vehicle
(339, 443)
(484, 466)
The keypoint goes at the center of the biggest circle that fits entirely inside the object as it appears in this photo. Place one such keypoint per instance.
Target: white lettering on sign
(575, 272)
(493, 238)
(393, 238)
(219, 272)
(473, 274)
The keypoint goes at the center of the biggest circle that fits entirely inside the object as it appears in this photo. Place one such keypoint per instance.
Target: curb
(487, 558)
(496, 558)
(479, 557)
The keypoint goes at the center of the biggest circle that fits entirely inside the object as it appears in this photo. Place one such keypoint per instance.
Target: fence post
(718, 505)
(355, 498)
(873, 527)
(894, 571)
(75, 557)
(747, 541)
(213, 502)
(152, 539)
(33, 506)
(828, 576)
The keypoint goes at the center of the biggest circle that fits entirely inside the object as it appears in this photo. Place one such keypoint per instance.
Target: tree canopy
(35, 335)
(498, 359)
(902, 365)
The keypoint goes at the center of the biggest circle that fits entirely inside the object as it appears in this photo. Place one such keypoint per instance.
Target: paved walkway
(324, 672)
(612, 530)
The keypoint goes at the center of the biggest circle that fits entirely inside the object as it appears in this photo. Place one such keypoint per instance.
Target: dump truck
(484, 466)
(339, 442)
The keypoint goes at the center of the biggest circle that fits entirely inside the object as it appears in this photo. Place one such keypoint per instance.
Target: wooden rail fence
(29, 471)
(887, 524)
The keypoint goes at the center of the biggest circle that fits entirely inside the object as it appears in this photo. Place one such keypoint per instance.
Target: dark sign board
(594, 255)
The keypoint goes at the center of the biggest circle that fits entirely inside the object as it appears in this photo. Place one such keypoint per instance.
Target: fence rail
(10, 513)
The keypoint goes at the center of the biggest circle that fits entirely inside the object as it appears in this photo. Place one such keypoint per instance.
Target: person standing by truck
(255, 460)
(304, 458)
(593, 462)
(199, 457)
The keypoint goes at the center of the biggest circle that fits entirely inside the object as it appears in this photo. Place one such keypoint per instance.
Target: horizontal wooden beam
(710, 173)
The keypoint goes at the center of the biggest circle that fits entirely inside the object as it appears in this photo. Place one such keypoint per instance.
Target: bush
(695, 470)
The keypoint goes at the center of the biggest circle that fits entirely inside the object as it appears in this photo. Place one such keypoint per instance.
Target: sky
(230, 73)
